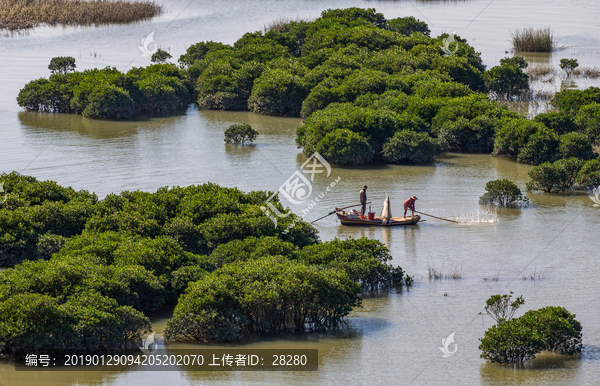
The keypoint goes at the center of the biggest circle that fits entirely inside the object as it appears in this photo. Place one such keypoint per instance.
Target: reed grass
(548, 73)
(23, 14)
(434, 274)
(535, 275)
(586, 72)
(540, 71)
(530, 39)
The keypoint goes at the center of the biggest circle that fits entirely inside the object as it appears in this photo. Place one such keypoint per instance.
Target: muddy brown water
(394, 338)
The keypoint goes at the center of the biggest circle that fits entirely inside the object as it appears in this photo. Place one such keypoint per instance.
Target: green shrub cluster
(107, 93)
(364, 260)
(361, 82)
(91, 269)
(565, 174)
(87, 322)
(266, 295)
(38, 216)
(508, 78)
(519, 339)
(581, 108)
(62, 64)
(401, 127)
(563, 145)
(266, 285)
(303, 67)
(533, 143)
(502, 193)
(240, 134)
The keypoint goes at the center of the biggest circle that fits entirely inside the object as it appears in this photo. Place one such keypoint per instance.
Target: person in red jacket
(410, 204)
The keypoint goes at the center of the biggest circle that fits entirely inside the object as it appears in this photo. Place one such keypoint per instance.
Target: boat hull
(396, 221)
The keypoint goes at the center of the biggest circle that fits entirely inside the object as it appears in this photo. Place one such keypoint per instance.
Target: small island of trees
(514, 340)
(369, 90)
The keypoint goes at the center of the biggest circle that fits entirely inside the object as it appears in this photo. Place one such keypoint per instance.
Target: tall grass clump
(530, 39)
(22, 14)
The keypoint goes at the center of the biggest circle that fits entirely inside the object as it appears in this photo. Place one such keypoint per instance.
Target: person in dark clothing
(410, 204)
(362, 196)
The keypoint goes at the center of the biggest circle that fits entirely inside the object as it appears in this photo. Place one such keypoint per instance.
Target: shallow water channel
(547, 252)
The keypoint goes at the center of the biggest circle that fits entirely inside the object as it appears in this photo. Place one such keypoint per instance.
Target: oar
(336, 209)
(439, 218)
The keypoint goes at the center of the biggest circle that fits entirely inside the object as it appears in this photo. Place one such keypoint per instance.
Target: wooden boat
(350, 218)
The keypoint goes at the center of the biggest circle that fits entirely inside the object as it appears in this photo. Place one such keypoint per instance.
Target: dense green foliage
(411, 146)
(345, 147)
(577, 123)
(589, 176)
(359, 81)
(108, 93)
(89, 270)
(588, 120)
(561, 123)
(321, 69)
(575, 145)
(160, 56)
(270, 294)
(62, 64)
(568, 65)
(87, 322)
(570, 101)
(557, 176)
(407, 25)
(109, 101)
(519, 339)
(240, 134)
(364, 260)
(508, 78)
(515, 134)
(280, 90)
(502, 193)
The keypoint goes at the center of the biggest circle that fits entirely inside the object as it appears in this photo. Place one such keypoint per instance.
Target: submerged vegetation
(23, 14)
(86, 272)
(519, 339)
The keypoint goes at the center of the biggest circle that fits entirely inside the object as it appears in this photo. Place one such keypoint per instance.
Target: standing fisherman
(362, 196)
(410, 204)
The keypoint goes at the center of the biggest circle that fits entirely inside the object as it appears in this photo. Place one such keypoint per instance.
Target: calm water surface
(394, 338)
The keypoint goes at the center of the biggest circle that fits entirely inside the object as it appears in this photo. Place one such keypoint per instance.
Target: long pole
(336, 209)
(439, 218)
